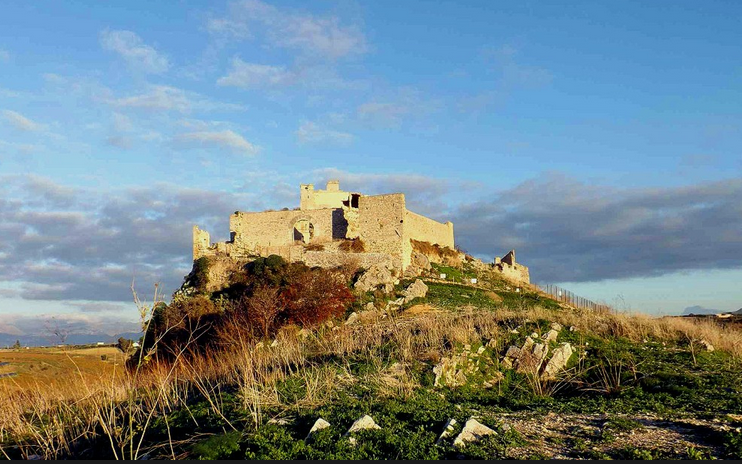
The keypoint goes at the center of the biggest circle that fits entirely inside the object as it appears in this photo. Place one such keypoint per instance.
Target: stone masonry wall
(201, 243)
(276, 228)
(424, 229)
(311, 199)
(381, 225)
(517, 273)
(328, 259)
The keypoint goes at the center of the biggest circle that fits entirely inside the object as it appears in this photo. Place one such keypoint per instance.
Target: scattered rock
(531, 359)
(364, 423)
(319, 424)
(417, 289)
(556, 326)
(370, 306)
(375, 276)
(274, 343)
(352, 319)
(473, 432)
(447, 430)
(279, 421)
(550, 336)
(558, 360)
(707, 345)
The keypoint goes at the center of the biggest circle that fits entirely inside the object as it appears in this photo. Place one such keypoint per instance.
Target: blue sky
(600, 139)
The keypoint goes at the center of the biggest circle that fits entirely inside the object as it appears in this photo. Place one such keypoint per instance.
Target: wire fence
(565, 296)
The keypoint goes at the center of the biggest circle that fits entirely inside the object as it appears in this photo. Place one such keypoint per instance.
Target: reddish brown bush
(314, 297)
(263, 309)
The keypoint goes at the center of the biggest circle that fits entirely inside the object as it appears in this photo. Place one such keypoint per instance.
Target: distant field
(50, 366)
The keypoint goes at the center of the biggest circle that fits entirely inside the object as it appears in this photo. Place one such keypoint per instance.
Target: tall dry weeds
(56, 422)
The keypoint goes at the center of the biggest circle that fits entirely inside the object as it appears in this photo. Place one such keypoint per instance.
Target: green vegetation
(631, 381)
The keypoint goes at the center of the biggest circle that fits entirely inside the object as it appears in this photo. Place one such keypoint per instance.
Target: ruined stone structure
(325, 218)
(314, 232)
(512, 270)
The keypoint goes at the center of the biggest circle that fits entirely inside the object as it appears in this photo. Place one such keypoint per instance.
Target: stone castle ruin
(332, 227)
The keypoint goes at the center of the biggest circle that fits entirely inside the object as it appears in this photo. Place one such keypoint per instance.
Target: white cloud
(132, 48)
(226, 139)
(20, 122)
(122, 123)
(250, 75)
(312, 133)
(166, 98)
(160, 97)
(384, 112)
(319, 36)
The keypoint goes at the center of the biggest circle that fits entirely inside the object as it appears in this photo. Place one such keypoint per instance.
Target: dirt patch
(419, 309)
(569, 436)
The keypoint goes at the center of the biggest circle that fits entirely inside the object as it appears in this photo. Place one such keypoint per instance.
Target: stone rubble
(319, 424)
(364, 423)
(558, 361)
(447, 430)
(376, 276)
(417, 289)
(473, 432)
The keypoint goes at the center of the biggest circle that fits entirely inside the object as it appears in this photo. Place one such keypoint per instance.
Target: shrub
(314, 297)
(262, 309)
(198, 278)
(315, 247)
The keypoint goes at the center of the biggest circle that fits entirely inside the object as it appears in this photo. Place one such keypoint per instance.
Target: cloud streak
(138, 55)
(221, 139)
(20, 122)
(310, 133)
(312, 35)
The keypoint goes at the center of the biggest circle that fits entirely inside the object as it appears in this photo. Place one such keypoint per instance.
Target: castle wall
(381, 226)
(327, 259)
(424, 229)
(516, 272)
(276, 228)
(201, 243)
(311, 199)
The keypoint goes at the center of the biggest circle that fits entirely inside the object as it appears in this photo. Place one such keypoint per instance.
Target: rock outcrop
(417, 289)
(374, 277)
(473, 432)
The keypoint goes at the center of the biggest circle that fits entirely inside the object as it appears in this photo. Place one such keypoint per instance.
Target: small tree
(17, 345)
(125, 345)
(262, 308)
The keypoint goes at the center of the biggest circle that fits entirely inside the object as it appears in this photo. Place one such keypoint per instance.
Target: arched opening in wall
(303, 231)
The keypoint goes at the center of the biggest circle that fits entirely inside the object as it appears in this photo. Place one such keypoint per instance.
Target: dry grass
(354, 245)
(430, 249)
(119, 405)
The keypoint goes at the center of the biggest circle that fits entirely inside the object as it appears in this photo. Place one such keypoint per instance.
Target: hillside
(482, 357)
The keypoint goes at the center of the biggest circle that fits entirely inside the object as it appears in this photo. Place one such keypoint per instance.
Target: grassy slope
(638, 388)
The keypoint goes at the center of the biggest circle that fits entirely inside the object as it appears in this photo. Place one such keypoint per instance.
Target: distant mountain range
(700, 310)
(7, 340)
